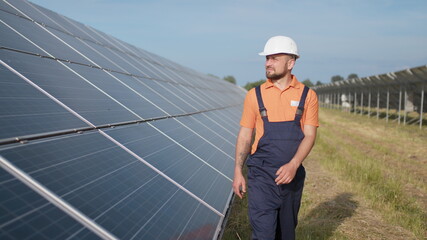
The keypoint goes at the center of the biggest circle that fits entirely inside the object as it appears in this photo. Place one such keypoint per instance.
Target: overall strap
(300, 109)
(262, 110)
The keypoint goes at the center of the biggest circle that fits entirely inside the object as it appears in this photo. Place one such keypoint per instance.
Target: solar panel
(38, 218)
(100, 139)
(27, 111)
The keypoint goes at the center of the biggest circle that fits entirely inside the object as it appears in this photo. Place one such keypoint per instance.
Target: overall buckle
(263, 112)
(299, 111)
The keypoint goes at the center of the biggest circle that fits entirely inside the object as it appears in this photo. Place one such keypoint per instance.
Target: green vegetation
(336, 78)
(230, 79)
(352, 75)
(393, 114)
(308, 83)
(366, 179)
(251, 85)
(318, 83)
(238, 226)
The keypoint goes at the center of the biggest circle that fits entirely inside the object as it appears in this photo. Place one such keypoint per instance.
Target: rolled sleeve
(312, 110)
(248, 119)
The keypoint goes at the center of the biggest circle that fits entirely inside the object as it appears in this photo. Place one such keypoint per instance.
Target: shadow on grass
(323, 220)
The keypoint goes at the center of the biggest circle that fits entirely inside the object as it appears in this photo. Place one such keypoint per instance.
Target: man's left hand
(286, 173)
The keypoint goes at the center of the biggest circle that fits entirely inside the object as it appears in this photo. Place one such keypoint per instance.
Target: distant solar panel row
(100, 139)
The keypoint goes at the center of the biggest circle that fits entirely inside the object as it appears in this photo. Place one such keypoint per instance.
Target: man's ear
(291, 63)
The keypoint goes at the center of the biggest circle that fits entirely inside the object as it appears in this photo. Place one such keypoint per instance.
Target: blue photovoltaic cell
(5, 7)
(224, 137)
(157, 71)
(97, 58)
(24, 214)
(150, 90)
(234, 113)
(185, 93)
(11, 39)
(216, 158)
(177, 163)
(105, 183)
(169, 91)
(221, 118)
(142, 68)
(50, 19)
(69, 88)
(224, 119)
(210, 131)
(218, 97)
(103, 38)
(42, 39)
(196, 221)
(25, 110)
(207, 101)
(119, 90)
(104, 57)
(31, 13)
(70, 162)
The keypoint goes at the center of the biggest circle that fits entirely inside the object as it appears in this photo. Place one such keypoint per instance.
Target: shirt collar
(294, 83)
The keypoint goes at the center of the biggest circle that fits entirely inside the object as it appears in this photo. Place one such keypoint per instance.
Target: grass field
(366, 179)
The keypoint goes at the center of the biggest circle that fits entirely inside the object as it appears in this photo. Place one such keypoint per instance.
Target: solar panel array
(101, 139)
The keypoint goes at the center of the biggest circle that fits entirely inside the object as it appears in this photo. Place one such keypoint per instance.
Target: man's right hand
(243, 148)
(239, 185)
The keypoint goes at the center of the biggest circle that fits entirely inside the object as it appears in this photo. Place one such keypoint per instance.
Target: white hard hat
(280, 44)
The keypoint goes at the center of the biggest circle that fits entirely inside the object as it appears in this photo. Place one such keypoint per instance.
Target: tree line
(306, 82)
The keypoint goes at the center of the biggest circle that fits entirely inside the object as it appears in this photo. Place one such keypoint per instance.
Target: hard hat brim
(266, 54)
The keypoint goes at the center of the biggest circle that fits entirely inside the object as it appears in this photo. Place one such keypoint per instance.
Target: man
(285, 115)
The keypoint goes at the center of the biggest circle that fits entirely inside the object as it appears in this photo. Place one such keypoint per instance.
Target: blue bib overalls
(273, 209)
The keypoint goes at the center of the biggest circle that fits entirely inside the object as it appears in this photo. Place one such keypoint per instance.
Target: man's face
(277, 65)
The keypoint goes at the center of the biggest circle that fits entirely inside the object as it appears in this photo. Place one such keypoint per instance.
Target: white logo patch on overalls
(294, 103)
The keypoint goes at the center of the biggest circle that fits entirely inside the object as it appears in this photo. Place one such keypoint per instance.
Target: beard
(274, 76)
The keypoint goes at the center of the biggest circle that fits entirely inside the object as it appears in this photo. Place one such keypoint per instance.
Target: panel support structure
(355, 103)
(378, 104)
(421, 107)
(388, 104)
(369, 104)
(405, 106)
(400, 104)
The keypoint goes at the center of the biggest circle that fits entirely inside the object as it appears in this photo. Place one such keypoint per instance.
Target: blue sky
(334, 37)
